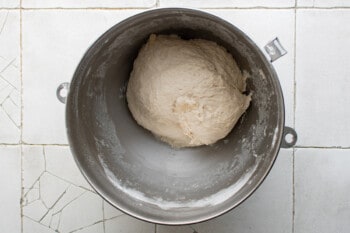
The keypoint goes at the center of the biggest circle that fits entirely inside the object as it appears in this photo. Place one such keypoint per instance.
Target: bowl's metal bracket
(294, 137)
(63, 86)
(274, 49)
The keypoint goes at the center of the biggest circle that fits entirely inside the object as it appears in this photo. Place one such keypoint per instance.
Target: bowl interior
(147, 178)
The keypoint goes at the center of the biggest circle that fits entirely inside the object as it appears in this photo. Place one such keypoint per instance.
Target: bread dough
(186, 92)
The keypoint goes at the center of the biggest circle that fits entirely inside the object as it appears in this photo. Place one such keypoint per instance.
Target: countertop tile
(322, 184)
(51, 59)
(127, 224)
(95, 228)
(10, 195)
(9, 3)
(226, 3)
(57, 198)
(54, 198)
(322, 76)
(323, 3)
(305, 193)
(175, 229)
(31, 226)
(87, 3)
(110, 211)
(10, 85)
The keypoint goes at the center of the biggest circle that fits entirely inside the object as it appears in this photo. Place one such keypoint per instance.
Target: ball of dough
(186, 92)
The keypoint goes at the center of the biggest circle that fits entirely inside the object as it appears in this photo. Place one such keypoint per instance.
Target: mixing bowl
(145, 177)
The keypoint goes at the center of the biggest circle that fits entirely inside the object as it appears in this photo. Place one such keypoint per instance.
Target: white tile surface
(56, 197)
(126, 224)
(322, 76)
(9, 3)
(10, 195)
(31, 226)
(226, 3)
(323, 3)
(175, 229)
(269, 209)
(268, 24)
(322, 185)
(51, 59)
(51, 189)
(60, 162)
(10, 105)
(95, 228)
(81, 213)
(33, 164)
(110, 211)
(87, 3)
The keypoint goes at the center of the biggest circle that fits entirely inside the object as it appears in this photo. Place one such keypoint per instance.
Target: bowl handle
(62, 92)
(286, 141)
(275, 49)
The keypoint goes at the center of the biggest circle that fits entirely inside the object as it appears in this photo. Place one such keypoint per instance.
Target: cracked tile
(96, 228)
(10, 195)
(15, 98)
(84, 211)
(35, 210)
(71, 194)
(9, 75)
(10, 133)
(33, 165)
(30, 195)
(110, 211)
(51, 189)
(55, 220)
(5, 89)
(10, 107)
(127, 224)
(31, 226)
(54, 195)
(60, 162)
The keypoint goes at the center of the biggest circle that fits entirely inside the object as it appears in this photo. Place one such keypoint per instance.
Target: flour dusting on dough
(186, 92)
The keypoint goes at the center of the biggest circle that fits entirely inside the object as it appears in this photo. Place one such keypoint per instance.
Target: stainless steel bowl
(144, 177)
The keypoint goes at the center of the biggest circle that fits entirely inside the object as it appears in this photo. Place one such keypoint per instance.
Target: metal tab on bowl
(275, 49)
(289, 138)
(62, 92)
